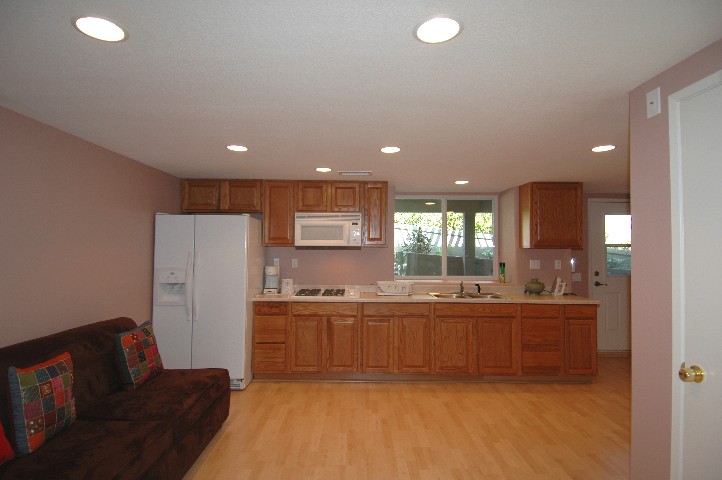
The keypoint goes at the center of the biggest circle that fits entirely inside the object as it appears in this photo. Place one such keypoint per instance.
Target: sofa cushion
(180, 398)
(137, 356)
(6, 451)
(42, 401)
(95, 450)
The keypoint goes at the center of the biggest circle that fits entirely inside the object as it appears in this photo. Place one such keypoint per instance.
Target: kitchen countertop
(365, 297)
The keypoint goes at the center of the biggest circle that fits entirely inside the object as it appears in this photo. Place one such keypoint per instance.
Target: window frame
(494, 198)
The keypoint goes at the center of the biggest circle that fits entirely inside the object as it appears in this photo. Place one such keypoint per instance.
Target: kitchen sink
(488, 296)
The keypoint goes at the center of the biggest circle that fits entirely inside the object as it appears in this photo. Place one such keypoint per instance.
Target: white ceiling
(521, 95)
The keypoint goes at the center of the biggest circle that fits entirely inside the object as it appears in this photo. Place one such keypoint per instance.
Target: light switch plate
(534, 264)
(654, 103)
(557, 264)
(576, 277)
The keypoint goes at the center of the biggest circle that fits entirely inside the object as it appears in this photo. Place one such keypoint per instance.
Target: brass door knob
(691, 374)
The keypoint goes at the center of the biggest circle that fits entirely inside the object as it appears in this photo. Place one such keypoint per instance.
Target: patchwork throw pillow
(42, 401)
(137, 356)
(6, 451)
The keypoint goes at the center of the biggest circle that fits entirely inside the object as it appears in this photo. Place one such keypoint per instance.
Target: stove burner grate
(334, 292)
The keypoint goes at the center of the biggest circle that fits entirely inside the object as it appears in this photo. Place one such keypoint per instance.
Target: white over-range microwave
(328, 230)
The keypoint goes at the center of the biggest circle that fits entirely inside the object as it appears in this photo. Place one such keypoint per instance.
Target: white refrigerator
(207, 269)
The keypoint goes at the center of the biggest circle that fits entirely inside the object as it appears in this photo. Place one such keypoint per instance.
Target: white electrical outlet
(294, 263)
(576, 277)
(276, 262)
(534, 264)
(557, 264)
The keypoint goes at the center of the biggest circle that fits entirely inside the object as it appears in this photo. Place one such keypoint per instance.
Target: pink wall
(77, 230)
(651, 282)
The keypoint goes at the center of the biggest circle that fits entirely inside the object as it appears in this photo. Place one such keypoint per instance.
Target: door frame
(590, 267)
(678, 273)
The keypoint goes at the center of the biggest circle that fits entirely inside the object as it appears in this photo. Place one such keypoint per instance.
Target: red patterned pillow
(137, 356)
(6, 451)
(42, 400)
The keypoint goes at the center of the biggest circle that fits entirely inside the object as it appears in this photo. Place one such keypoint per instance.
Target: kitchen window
(445, 237)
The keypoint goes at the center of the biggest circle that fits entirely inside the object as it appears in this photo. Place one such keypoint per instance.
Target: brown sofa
(156, 431)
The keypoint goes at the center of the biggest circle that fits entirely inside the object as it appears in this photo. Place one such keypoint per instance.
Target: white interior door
(609, 273)
(695, 115)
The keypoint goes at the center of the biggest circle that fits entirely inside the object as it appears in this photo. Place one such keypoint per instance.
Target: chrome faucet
(461, 286)
(478, 288)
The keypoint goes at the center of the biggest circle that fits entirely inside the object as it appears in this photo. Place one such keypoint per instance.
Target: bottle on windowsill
(502, 272)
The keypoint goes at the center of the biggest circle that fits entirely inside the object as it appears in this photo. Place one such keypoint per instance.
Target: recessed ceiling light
(237, 148)
(430, 203)
(437, 29)
(603, 148)
(391, 149)
(323, 169)
(100, 29)
(461, 182)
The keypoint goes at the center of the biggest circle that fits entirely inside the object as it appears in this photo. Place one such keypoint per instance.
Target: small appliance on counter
(273, 272)
(287, 286)
(397, 287)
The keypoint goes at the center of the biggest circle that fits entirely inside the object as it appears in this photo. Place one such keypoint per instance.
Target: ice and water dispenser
(170, 286)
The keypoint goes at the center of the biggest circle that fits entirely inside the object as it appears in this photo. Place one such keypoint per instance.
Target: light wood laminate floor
(315, 430)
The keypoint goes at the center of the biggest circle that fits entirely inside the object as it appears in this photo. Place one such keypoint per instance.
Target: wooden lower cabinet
(477, 339)
(498, 340)
(580, 325)
(396, 338)
(270, 323)
(324, 338)
(542, 340)
(534, 340)
(454, 351)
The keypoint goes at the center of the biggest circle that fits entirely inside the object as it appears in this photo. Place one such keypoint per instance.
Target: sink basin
(449, 295)
(468, 295)
(485, 295)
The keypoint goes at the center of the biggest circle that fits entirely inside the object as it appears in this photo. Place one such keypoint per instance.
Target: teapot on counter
(534, 287)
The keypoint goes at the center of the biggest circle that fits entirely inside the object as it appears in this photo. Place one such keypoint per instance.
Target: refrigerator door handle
(196, 266)
(189, 286)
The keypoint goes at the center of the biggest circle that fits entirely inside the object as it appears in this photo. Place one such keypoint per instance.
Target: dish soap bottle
(502, 272)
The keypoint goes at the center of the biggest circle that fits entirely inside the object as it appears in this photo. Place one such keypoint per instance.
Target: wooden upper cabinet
(279, 202)
(375, 210)
(240, 196)
(200, 195)
(324, 196)
(312, 196)
(220, 195)
(551, 215)
(345, 197)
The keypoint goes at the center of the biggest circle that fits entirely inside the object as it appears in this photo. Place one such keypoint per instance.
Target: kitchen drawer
(269, 358)
(541, 361)
(533, 310)
(396, 309)
(580, 311)
(269, 329)
(540, 331)
(323, 309)
(270, 308)
(475, 310)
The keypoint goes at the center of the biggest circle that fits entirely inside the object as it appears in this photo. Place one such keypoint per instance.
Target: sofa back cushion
(92, 349)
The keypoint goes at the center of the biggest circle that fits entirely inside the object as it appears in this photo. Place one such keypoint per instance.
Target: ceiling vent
(355, 173)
